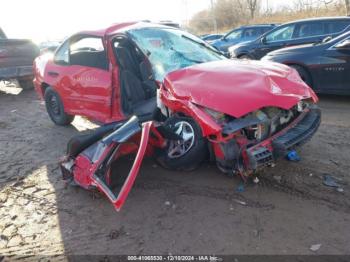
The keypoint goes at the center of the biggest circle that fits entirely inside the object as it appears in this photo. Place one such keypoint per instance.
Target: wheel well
(43, 87)
(240, 55)
(306, 70)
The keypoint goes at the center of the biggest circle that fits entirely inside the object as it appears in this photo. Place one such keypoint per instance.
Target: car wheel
(26, 84)
(55, 109)
(304, 75)
(188, 153)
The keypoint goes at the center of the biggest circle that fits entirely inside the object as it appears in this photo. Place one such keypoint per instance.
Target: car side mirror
(263, 40)
(344, 45)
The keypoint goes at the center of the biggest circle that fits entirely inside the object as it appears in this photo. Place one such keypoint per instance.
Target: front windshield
(171, 49)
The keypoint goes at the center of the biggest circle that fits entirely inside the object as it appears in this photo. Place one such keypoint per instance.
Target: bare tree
(253, 7)
(347, 5)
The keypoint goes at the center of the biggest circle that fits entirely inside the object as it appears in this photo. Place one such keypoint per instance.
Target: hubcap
(181, 147)
(54, 105)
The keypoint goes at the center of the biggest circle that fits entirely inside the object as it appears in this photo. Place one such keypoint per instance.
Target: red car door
(84, 81)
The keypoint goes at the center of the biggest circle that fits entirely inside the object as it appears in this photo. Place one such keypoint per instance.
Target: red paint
(238, 87)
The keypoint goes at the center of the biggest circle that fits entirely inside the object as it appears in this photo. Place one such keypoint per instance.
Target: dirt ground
(287, 212)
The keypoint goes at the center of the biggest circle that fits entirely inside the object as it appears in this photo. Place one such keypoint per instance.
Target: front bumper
(277, 146)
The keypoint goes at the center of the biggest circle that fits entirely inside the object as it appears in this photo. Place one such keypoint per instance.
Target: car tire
(185, 155)
(304, 75)
(26, 84)
(55, 109)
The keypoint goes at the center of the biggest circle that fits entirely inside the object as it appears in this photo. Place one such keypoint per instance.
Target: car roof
(118, 28)
(259, 25)
(317, 19)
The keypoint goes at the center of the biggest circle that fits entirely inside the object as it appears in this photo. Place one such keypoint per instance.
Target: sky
(42, 20)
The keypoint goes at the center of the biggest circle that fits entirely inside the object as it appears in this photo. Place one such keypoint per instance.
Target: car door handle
(53, 74)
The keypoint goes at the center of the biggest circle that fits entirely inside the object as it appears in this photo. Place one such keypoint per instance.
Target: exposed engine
(254, 128)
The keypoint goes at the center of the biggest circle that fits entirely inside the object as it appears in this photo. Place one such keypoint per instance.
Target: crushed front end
(258, 139)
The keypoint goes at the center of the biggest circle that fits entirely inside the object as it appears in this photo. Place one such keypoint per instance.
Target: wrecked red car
(163, 92)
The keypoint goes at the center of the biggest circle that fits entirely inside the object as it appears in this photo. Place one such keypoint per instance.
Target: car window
(88, 51)
(62, 54)
(311, 29)
(234, 35)
(266, 29)
(87, 44)
(281, 34)
(251, 32)
(336, 27)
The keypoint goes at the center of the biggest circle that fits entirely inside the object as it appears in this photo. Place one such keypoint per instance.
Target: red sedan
(189, 103)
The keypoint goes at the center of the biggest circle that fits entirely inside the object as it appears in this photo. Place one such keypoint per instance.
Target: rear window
(337, 26)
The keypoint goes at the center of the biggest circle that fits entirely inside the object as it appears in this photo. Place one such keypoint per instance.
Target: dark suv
(291, 34)
(241, 34)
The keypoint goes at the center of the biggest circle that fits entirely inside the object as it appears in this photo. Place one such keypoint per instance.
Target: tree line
(223, 15)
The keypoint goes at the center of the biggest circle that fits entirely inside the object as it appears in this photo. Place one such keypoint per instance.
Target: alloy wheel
(181, 147)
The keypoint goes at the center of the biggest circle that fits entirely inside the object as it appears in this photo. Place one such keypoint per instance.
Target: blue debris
(293, 156)
(240, 188)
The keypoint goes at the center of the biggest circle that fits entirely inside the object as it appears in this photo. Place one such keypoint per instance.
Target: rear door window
(252, 32)
(310, 30)
(89, 51)
(282, 34)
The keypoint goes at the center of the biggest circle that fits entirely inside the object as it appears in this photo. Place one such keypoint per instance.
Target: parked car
(211, 38)
(16, 60)
(323, 66)
(247, 113)
(240, 35)
(291, 34)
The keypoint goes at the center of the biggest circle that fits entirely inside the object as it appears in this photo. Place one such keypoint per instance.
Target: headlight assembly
(217, 116)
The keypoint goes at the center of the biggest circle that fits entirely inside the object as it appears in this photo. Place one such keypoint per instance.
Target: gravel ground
(287, 212)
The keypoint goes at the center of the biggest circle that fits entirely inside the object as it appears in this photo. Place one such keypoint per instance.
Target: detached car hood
(238, 87)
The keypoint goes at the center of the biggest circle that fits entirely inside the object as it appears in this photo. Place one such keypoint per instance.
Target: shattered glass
(170, 49)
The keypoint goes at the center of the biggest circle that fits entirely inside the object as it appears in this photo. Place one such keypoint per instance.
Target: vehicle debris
(315, 247)
(330, 181)
(240, 202)
(293, 156)
(278, 178)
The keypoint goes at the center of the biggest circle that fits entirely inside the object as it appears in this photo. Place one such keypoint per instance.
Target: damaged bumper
(277, 146)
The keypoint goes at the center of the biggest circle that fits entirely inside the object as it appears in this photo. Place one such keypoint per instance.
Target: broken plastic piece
(328, 180)
(293, 156)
